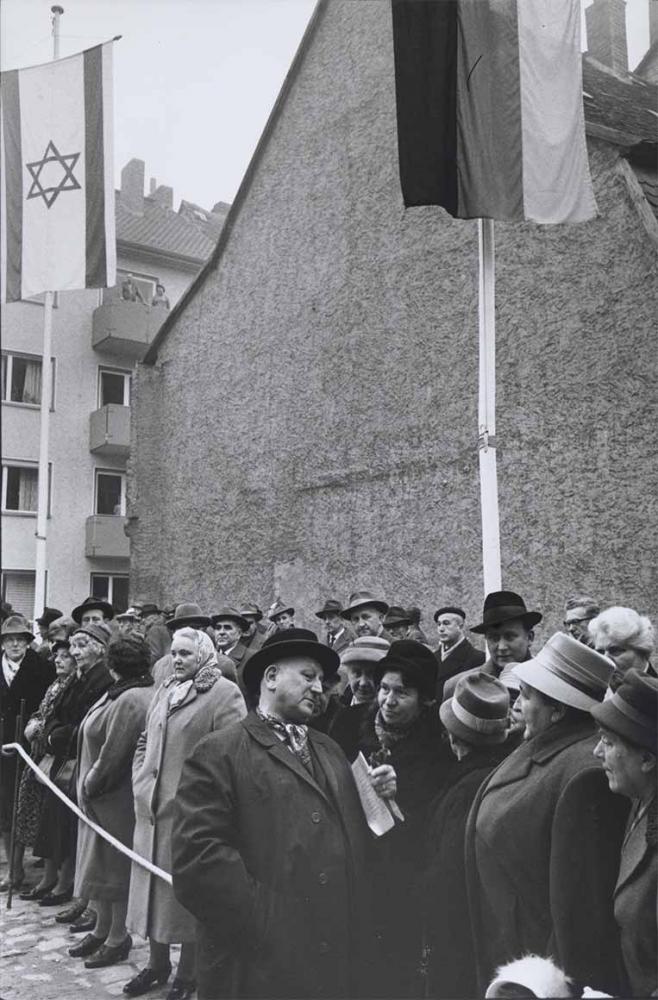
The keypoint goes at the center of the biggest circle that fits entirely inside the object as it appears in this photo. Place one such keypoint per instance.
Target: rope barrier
(45, 780)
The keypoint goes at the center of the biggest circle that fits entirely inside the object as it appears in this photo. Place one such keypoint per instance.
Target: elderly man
(269, 842)
(281, 616)
(357, 664)
(366, 614)
(579, 611)
(230, 627)
(507, 627)
(454, 653)
(338, 634)
(256, 633)
(397, 622)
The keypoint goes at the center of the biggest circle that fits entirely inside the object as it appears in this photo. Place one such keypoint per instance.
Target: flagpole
(487, 408)
(44, 427)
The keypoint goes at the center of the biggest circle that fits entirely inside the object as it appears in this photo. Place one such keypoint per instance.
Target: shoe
(87, 946)
(72, 912)
(56, 898)
(145, 980)
(180, 990)
(37, 893)
(108, 955)
(85, 922)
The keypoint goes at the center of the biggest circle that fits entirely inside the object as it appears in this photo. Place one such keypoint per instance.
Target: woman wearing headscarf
(106, 745)
(544, 832)
(625, 637)
(194, 701)
(32, 792)
(627, 749)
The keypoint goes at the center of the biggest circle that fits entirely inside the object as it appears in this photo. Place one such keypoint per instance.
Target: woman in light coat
(106, 745)
(194, 701)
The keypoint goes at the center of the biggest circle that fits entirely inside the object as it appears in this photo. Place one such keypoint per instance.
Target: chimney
(132, 186)
(606, 33)
(164, 196)
(152, 185)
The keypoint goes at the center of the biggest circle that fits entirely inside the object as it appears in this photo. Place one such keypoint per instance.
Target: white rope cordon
(45, 780)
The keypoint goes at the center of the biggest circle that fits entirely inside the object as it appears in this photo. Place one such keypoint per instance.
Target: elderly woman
(106, 745)
(625, 637)
(32, 791)
(400, 737)
(24, 676)
(627, 749)
(194, 701)
(544, 831)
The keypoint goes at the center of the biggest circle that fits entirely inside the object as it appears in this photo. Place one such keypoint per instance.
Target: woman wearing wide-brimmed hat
(627, 748)
(476, 719)
(544, 832)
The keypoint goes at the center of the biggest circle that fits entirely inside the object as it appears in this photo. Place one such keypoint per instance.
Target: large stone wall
(310, 424)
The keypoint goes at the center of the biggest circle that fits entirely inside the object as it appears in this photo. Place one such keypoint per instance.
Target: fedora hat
(505, 606)
(290, 642)
(49, 615)
(365, 649)
(450, 609)
(92, 604)
(331, 607)
(396, 616)
(251, 611)
(361, 598)
(478, 710)
(567, 671)
(130, 614)
(100, 631)
(279, 608)
(232, 615)
(414, 661)
(188, 615)
(63, 624)
(632, 711)
(149, 609)
(16, 625)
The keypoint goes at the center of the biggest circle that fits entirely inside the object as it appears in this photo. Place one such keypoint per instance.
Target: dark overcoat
(463, 657)
(272, 861)
(542, 853)
(635, 907)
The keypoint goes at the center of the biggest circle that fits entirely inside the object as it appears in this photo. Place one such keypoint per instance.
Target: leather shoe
(181, 990)
(87, 946)
(85, 922)
(72, 912)
(56, 898)
(37, 893)
(108, 955)
(145, 980)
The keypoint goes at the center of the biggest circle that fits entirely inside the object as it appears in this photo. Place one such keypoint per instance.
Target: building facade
(306, 422)
(97, 339)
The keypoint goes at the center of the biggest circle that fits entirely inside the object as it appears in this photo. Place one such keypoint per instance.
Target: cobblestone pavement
(35, 963)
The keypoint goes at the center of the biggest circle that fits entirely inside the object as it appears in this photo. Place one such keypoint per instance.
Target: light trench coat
(169, 738)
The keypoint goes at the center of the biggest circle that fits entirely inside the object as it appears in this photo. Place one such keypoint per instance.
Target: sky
(194, 81)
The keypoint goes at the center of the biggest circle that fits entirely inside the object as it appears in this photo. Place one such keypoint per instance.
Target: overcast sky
(194, 79)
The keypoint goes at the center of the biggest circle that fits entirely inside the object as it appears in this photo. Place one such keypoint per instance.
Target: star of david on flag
(57, 226)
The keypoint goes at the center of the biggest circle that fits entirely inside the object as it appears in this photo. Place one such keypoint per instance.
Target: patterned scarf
(295, 737)
(389, 735)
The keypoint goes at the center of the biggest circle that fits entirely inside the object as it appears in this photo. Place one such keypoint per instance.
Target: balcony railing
(106, 538)
(109, 431)
(126, 329)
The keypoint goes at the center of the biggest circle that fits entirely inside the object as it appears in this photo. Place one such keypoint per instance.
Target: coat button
(315, 817)
(323, 947)
(323, 878)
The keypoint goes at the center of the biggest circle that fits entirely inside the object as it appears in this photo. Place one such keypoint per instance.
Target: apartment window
(145, 282)
(112, 588)
(110, 492)
(21, 379)
(20, 487)
(18, 590)
(114, 386)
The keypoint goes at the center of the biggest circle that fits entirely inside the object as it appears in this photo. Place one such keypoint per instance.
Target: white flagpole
(487, 409)
(44, 427)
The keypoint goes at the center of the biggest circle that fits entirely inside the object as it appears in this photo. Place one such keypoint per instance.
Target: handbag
(63, 777)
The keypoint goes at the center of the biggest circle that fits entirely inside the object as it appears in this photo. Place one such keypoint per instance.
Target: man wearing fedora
(455, 653)
(507, 627)
(270, 842)
(256, 633)
(338, 634)
(92, 609)
(189, 615)
(365, 613)
(230, 626)
(281, 615)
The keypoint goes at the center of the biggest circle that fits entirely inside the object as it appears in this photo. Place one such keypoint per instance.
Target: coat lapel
(633, 853)
(279, 751)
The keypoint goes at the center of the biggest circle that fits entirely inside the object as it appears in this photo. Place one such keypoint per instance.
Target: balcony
(126, 329)
(106, 538)
(109, 431)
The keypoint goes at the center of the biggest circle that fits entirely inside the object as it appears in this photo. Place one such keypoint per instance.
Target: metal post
(487, 410)
(18, 736)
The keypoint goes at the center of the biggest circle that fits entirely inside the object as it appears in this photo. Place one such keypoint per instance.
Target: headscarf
(206, 666)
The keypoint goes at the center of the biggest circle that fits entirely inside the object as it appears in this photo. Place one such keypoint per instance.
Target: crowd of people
(363, 810)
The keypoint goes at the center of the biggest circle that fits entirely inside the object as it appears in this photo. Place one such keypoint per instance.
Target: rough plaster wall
(319, 394)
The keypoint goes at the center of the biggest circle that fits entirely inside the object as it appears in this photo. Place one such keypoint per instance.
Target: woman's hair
(623, 627)
(128, 655)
